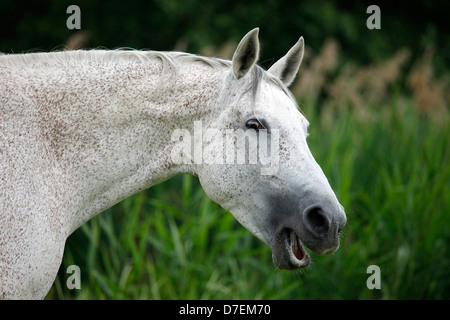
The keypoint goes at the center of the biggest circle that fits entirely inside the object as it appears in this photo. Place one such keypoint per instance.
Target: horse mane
(171, 60)
(168, 58)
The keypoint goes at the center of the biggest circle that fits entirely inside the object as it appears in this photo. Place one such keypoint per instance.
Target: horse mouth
(288, 251)
(296, 246)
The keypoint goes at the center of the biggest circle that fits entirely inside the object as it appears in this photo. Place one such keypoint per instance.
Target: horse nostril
(316, 220)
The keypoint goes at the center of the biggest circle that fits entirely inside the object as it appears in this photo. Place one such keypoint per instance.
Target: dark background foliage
(160, 24)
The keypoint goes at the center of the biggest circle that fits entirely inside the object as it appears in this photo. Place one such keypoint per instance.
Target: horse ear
(246, 54)
(287, 67)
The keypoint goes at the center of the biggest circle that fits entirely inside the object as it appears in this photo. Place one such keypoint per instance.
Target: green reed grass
(391, 172)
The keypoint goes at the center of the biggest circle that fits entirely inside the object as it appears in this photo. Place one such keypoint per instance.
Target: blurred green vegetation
(378, 104)
(171, 242)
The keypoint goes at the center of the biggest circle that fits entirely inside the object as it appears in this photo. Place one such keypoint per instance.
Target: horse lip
(289, 252)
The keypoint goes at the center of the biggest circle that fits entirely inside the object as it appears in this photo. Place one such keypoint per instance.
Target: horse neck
(110, 126)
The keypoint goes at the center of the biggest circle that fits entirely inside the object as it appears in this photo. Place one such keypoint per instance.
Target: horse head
(289, 204)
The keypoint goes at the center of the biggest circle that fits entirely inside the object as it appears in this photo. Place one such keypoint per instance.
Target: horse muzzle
(317, 228)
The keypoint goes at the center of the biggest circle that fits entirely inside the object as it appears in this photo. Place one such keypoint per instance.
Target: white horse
(82, 130)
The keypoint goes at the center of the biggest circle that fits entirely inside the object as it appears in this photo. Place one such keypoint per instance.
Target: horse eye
(254, 124)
